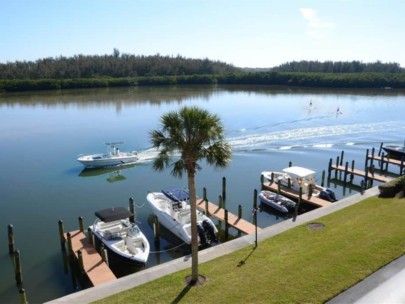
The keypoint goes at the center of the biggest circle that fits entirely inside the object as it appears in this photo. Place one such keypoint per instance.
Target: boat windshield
(133, 231)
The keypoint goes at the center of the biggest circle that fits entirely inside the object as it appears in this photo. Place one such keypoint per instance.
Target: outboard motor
(210, 231)
(201, 234)
(328, 195)
(331, 195)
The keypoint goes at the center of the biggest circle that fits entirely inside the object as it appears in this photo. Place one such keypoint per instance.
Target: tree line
(115, 65)
(339, 67)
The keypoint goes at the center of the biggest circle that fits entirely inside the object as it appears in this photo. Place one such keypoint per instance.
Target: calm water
(42, 134)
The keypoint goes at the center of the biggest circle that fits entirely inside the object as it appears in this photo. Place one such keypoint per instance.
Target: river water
(42, 133)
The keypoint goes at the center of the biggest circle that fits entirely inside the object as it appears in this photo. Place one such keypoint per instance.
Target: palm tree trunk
(194, 235)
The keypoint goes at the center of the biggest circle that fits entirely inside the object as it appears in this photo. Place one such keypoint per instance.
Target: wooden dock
(96, 269)
(316, 201)
(377, 177)
(233, 220)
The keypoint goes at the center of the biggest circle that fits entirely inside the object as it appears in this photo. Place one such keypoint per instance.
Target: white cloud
(316, 28)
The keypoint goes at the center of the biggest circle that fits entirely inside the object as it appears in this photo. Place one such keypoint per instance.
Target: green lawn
(297, 266)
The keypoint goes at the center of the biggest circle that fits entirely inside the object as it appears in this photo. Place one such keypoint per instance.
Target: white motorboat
(173, 212)
(113, 157)
(276, 201)
(120, 236)
(395, 151)
(298, 177)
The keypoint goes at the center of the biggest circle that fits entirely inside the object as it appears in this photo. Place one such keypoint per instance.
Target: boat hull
(276, 201)
(104, 161)
(395, 151)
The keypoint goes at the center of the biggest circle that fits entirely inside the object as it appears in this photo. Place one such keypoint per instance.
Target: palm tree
(196, 135)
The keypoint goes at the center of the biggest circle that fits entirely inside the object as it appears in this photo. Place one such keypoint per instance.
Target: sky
(244, 33)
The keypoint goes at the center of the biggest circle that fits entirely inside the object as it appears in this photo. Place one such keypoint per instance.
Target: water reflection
(112, 174)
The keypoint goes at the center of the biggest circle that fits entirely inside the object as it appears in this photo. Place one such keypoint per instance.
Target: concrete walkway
(144, 276)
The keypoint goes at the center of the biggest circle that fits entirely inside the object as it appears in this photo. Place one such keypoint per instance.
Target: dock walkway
(233, 220)
(377, 177)
(294, 195)
(96, 269)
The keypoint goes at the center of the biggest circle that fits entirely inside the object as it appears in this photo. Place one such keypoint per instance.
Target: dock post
(80, 259)
(352, 174)
(89, 236)
(300, 194)
(323, 178)
(329, 168)
(220, 202)
(337, 165)
(346, 168)
(224, 190)
(205, 194)
(156, 228)
(341, 157)
(11, 247)
(272, 177)
(23, 296)
(61, 234)
(69, 242)
(132, 209)
(255, 199)
(226, 224)
(289, 164)
(104, 254)
(365, 178)
(366, 163)
(18, 274)
(81, 225)
(261, 179)
(379, 151)
(401, 167)
(382, 161)
(289, 183)
(372, 156)
(239, 211)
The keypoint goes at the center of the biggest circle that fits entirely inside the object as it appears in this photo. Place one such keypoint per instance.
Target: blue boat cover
(176, 194)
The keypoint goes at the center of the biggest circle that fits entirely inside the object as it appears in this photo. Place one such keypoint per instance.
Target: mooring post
(379, 151)
(220, 201)
(366, 163)
(401, 167)
(289, 164)
(226, 224)
(337, 165)
(300, 194)
(23, 296)
(382, 161)
(352, 174)
(132, 209)
(69, 242)
(329, 168)
(224, 191)
(156, 228)
(255, 199)
(104, 254)
(289, 183)
(207, 213)
(372, 156)
(323, 178)
(18, 274)
(89, 236)
(341, 157)
(272, 177)
(81, 225)
(80, 259)
(261, 180)
(61, 234)
(346, 168)
(239, 211)
(366, 178)
(11, 247)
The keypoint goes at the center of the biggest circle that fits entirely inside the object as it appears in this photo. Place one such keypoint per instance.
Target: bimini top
(113, 214)
(176, 194)
(299, 171)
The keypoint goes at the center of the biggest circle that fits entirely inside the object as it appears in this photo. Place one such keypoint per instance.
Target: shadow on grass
(182, 294)
(243, 262)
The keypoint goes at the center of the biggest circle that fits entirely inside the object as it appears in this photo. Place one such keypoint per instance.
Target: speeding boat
(120, 236)
(276, 201)
(395, 151)
(173, 211)
(113, 157)
(298, 177)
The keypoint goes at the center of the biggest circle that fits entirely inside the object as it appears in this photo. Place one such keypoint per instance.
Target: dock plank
(294, 195)
(96, 269)
(233, 220)
(377, 177)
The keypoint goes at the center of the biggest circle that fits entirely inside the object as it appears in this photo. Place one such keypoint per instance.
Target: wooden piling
(337, 164)
(382, 162)
(372, 157)
(224, 190)
(300, 195)
(18, 274)
(366, 162)
(346, 172)
(156, 228)
(69, 242)
(329, 168)
(89, 236)
(341, 157)
(23, 296)
(226, 224)
(239, 211)
(255, 199)
(289, 183)
(104, 254)
(379, 151)
(289, 164)
(11, 247)
(80, 261)
(220, 202)
(352, 175)
(401, 167)
(132, 209)
(272, 177)
(323, 178)
(61, 234)
(81, 225)
(261, 179)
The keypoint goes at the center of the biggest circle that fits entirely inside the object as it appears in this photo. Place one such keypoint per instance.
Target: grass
(297, 266)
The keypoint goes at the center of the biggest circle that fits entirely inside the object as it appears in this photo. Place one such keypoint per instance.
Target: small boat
(298, 177)
(173, 211)
(114, 157)
(395, 151)
(276, 201)
(120, 236)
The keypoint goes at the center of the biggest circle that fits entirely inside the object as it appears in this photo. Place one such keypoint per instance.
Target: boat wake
(317, 137)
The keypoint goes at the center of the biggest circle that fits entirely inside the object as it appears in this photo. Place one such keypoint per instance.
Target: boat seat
(135, 246)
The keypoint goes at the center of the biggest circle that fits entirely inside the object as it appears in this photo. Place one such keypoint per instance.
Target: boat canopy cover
(176, 194)
(113, 214)
(299, 171)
